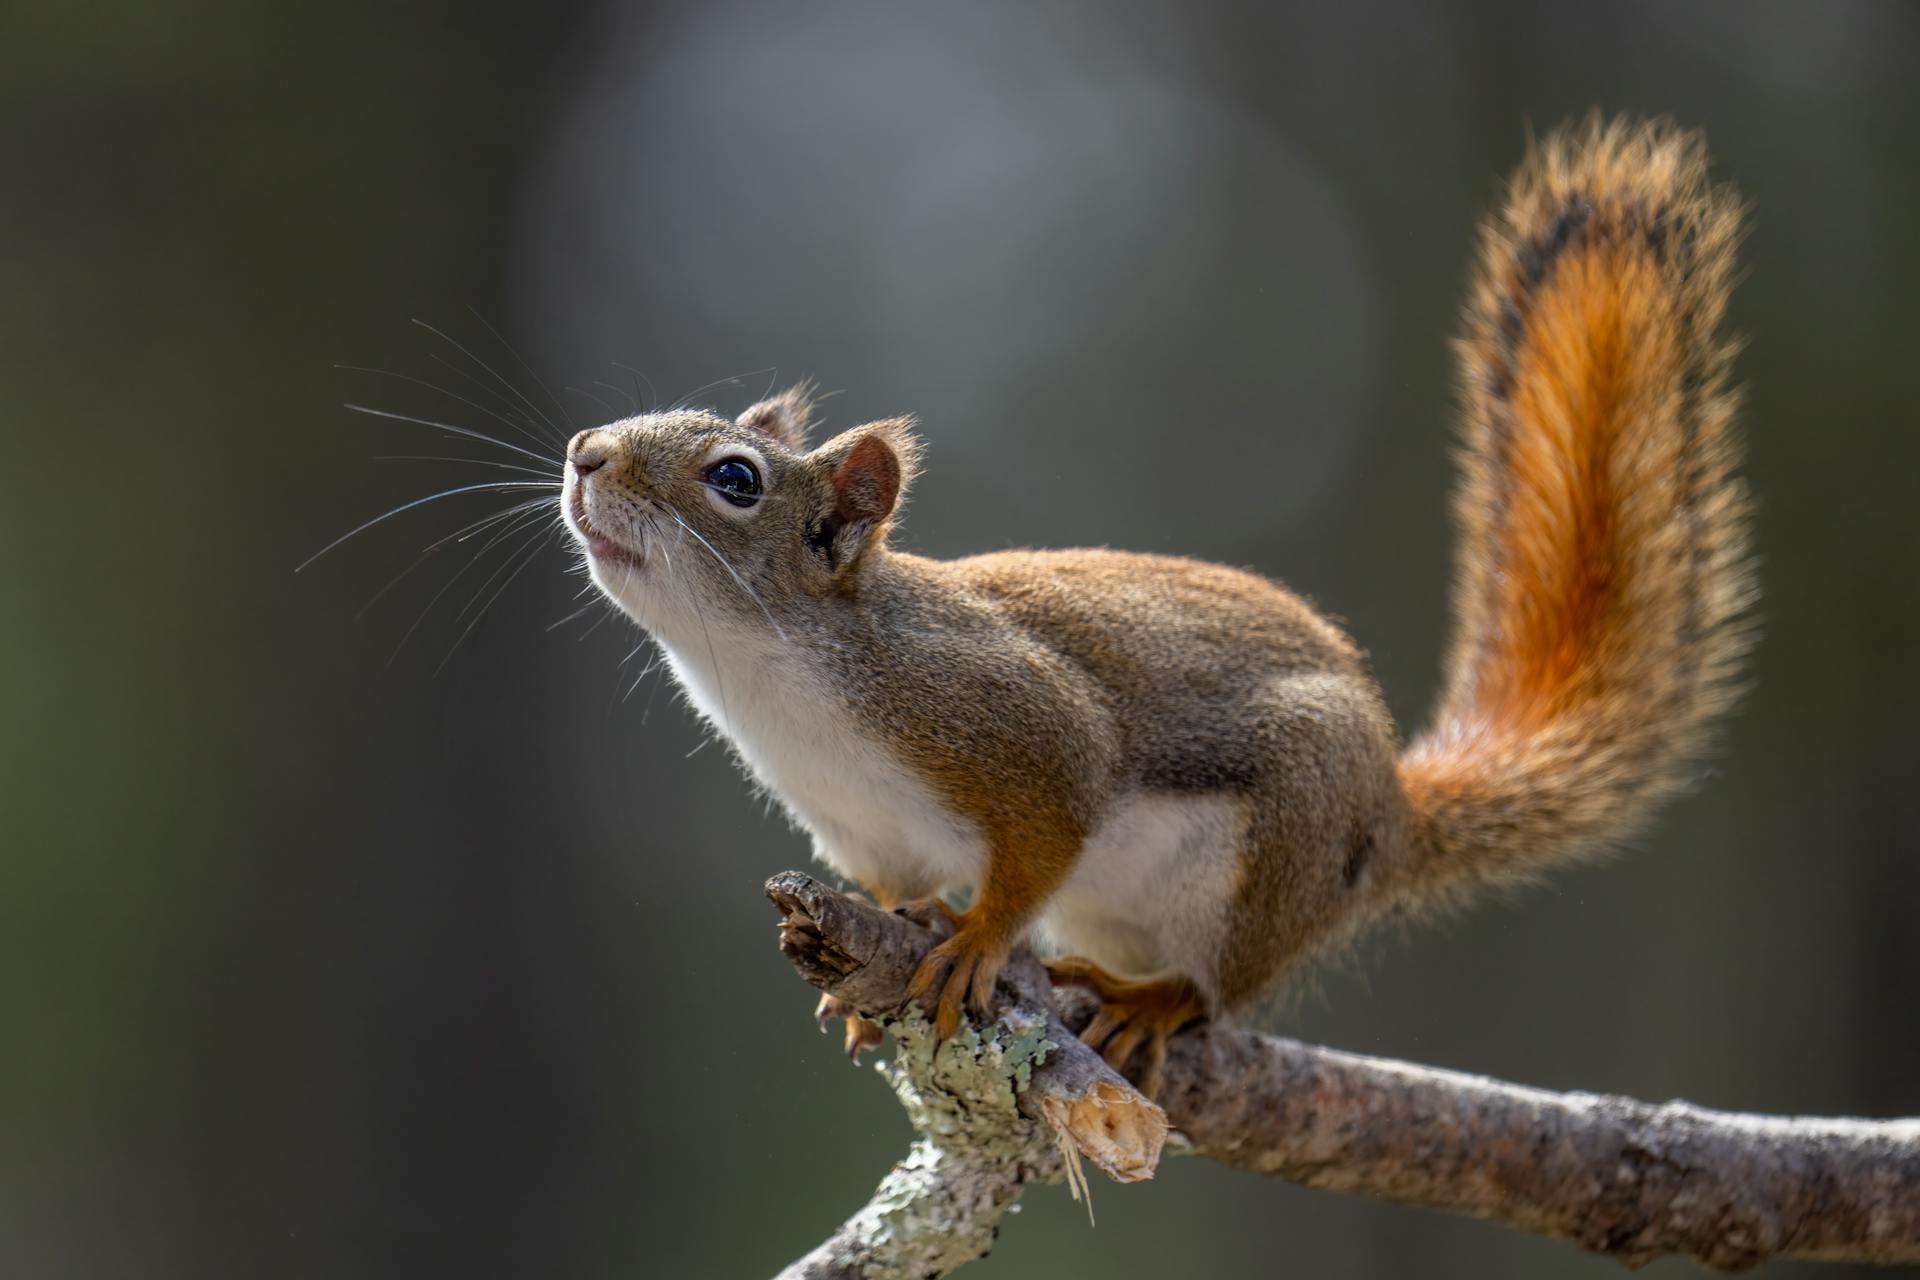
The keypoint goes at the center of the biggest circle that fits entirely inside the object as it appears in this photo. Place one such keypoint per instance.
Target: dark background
(312, 965)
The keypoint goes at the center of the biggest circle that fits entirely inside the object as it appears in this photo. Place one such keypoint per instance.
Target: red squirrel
(1181, 773)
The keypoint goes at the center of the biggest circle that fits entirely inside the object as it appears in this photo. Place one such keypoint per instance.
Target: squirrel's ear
(868, 470)
(784, 419)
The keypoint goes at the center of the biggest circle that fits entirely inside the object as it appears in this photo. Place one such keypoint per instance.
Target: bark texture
(1627, 1179)
(997, 1108)
(1619, 1177)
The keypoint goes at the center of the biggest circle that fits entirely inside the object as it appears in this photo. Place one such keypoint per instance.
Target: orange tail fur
(1603, 574)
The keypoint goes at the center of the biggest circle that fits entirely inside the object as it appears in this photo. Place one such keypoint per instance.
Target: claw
(829, 1008)
(1107, 1020)
(861, 1036)
(1120, 1048)
(1156, 1062)
(962, 970)
(1132, 1015)
(861, 1033)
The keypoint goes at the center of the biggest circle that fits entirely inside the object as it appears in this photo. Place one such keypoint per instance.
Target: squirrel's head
(686, 517)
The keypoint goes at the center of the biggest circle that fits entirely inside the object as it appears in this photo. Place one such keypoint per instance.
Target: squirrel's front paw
(862, 1033)
(961, 969)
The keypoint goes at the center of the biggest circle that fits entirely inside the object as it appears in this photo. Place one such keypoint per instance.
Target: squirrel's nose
(589, 451)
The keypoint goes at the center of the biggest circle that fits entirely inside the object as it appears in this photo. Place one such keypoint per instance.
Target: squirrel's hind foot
(1133, 1015)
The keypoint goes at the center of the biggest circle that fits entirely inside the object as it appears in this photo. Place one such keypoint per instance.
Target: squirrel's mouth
(600, 548)
(606, 551)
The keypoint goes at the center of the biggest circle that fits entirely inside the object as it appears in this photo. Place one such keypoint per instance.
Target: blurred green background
(312, 965)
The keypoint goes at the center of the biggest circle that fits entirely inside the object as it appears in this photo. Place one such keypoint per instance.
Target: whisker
(478, 462)
(713, 655)
(518, 394)
(734, 381)
(498, 537)
(514, 526)
(468, 432)
(517, 424)
(527, 368)
(597, 623)
(650, 537)
(461, 535)
(647, 710)
(751, 593)
(527, 555)
(458, 535)
(653, 397)
(495, 486)
(652, 665)
(626, 580)
(611, 412)
(586, 608)
(632, 399)
(520, 416)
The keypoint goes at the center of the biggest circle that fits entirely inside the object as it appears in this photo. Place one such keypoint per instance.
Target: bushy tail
(1603, 574)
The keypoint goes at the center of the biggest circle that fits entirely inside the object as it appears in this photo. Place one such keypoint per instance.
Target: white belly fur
(1151, 890)
(1148, 894)
(871, 820)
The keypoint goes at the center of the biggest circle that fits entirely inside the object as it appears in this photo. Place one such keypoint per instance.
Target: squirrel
(1179, 772)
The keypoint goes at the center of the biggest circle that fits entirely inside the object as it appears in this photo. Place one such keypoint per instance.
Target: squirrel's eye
(736, 481)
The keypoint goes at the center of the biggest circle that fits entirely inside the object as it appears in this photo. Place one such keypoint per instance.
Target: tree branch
(1623, 1178)
(997, 1108)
